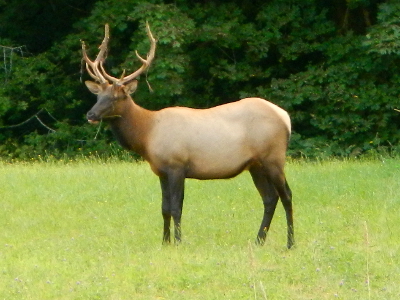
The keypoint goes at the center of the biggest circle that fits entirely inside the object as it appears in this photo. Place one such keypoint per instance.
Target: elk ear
(130, 88)
(93, 87)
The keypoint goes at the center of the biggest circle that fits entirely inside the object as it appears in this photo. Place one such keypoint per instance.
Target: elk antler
(96, 68)
(145, 62)
(93, 66)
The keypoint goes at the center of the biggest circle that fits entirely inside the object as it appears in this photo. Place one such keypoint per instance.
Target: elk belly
(210, 162)
(216, 169)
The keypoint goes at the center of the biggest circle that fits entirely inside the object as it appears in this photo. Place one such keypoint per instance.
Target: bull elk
(180, 142)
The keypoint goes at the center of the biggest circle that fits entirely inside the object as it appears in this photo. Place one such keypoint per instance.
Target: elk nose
(91, 117)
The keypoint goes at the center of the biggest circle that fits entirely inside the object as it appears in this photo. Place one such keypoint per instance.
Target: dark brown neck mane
(132, 127)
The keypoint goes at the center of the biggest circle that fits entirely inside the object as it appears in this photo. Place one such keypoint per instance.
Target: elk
(180, 142)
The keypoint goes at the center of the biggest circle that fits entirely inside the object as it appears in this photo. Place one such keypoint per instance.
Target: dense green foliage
(334, 65)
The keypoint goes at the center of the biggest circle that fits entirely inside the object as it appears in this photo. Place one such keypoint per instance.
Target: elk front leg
(166, 210)
(172, 185)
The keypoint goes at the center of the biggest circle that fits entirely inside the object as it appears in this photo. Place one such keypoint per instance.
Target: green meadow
(92, 230)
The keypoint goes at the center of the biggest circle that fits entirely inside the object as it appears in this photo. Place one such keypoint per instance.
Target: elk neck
(133, 128)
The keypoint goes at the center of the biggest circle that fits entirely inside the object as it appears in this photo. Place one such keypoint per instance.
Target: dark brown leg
(166, 210)
(271, 184)
(278, 179)
(270, 199)
(172, 185)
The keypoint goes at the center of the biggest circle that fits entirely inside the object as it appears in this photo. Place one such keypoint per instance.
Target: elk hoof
(260, 241)
(290, 244)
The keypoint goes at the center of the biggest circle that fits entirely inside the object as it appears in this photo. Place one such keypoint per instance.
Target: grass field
(92, 230)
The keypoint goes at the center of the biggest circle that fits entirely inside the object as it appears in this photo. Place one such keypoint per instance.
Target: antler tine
(145, 62)
(93, 66)
(101, 57)
(89, 64)
(107, 76)
(103, 46)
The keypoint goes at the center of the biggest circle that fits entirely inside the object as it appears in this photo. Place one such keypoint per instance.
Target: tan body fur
(218, 142)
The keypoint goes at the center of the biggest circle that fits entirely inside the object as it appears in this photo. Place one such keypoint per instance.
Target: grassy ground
(91, 230)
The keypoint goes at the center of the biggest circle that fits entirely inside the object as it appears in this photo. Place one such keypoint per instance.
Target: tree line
(332, 64)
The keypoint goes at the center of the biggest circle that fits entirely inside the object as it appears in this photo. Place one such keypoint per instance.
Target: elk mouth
(92, 118)
(106, 118)
(94, 122)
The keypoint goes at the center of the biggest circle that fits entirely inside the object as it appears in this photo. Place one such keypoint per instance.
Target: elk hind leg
(286, 199)
(277, 177)
(269, 196)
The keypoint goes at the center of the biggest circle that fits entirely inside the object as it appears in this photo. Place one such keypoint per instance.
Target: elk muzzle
(103, 108)
(92, 118)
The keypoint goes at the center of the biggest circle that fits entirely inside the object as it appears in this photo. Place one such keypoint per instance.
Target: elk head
(111, 91)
